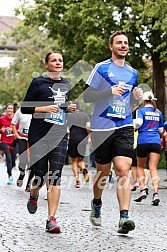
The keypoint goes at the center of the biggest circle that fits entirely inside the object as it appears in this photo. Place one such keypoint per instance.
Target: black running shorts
(108, 145)
(76, 150)
(143, 150)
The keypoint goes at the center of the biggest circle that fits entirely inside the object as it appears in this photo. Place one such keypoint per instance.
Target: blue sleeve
(95, 77)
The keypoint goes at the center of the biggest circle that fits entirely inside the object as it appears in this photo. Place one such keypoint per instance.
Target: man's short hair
(112, 36)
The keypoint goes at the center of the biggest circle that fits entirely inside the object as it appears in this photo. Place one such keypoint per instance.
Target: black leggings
(10, 157)
(43, 153)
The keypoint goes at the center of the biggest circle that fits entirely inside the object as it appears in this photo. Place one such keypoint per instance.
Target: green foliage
(149, 18)
(162, 161)
(81, 29)
(28, 63)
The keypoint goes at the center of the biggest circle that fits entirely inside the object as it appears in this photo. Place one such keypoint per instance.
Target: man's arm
(92, 95)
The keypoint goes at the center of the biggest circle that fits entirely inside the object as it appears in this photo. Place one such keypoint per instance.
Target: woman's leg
(4, 147)
(56, 160)
(75, 167)
(140, 172)
(153, 164)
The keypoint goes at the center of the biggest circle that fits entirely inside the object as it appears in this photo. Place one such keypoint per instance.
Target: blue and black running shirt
(114, 111)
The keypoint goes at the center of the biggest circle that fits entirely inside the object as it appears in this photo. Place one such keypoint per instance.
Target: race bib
(9, 133)
(58, 118)
(117, 108)
(25, 131)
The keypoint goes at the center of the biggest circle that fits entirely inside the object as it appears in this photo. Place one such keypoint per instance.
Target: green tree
(28, 62)
(82, 28)
(147, 20)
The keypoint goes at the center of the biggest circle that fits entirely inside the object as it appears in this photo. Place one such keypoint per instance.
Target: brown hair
(116, 34)
(9, 104)
(48, 54)
(77, 104)
(152, 102)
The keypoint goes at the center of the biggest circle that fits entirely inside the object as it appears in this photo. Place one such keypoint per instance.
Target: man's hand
(137, 93)
(118, 91)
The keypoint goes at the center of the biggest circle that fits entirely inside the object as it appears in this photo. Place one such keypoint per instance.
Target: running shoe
(20, 180)
(10, 181)
(95, 215)
(146, 189)
(32, 204)
(142, 195)
(155, 199)
(125, 225)
(134, 186)
(77, 185)
(86, 175)
(52, 226)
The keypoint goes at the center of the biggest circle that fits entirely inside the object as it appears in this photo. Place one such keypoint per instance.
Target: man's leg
(122, 166)
(98, 186)
(100, 179)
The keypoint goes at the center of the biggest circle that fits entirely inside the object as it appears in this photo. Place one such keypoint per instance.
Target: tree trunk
(159, 78)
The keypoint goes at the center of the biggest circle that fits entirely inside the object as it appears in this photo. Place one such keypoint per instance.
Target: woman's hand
(53, 109)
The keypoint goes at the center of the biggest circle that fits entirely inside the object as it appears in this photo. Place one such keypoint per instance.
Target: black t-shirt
(45, 91)
(77, 123)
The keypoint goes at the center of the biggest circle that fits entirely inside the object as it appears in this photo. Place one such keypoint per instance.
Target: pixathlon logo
(80, 71)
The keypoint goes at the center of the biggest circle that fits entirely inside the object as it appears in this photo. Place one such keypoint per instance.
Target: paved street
(20, 231)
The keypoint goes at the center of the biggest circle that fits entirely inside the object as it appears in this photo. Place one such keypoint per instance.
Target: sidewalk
(21, 231)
